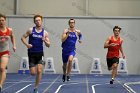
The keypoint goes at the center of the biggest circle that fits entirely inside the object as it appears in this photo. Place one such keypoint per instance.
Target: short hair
(117, 27)
(70, 20)
(2, 15)
(37, 16)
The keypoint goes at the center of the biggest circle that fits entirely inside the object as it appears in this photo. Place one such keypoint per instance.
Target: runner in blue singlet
(69, 38)
(37, 35)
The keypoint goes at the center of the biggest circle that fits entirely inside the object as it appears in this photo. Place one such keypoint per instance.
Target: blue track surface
(80, 83)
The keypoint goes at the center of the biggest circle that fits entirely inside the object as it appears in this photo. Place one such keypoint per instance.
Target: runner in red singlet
(5, 35)
(114, 45)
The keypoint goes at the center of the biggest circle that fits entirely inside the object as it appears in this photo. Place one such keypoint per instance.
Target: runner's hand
(29, 46)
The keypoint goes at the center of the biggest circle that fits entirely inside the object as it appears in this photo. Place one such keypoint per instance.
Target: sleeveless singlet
(70, 42)
(35, 39)
(4, 40)
(113, 51)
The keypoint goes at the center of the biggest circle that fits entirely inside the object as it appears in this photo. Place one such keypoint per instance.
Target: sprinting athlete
(37, 35)
(114, 45)
(6, 34)
(69, 38)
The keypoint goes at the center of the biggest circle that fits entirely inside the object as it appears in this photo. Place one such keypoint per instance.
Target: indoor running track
(79, 83)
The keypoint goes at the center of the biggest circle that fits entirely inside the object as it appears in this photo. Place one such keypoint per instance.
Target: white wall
(114, 7)
(50, 7)
(95, 31)
(71, 7)
(7, 7)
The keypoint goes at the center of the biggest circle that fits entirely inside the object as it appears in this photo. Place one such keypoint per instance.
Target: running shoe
(63, 78)
(35, 90)
(68, 78)
(111, 82)
(0, 89)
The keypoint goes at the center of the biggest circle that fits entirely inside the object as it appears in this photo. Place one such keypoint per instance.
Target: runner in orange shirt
(114, 45)
(5, 34)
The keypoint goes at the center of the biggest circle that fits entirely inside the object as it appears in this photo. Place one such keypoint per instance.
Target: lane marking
(93, 87)
(23, 88)
(64, 85)
(51, 84)
(131, 83)
(16, 83)
(59, 88)
(87, 84)
(125, 86)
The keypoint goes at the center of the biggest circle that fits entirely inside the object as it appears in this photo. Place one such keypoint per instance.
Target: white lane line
(59, 88)
(131, 83)
(93, 87)
(16, 83)
(23, 88)
(51, 84)
(129, 89)
(87, 84)
(64, 85)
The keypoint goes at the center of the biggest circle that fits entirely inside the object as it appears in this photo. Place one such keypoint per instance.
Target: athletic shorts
(34, 59)
(111, 61)
(66, 54)
(5, 52)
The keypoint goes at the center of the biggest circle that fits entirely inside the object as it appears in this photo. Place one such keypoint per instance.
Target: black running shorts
(111, 61)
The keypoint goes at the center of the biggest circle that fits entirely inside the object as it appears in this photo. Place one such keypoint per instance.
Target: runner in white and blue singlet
(37, 35)
(35, 39)
(69, 38)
